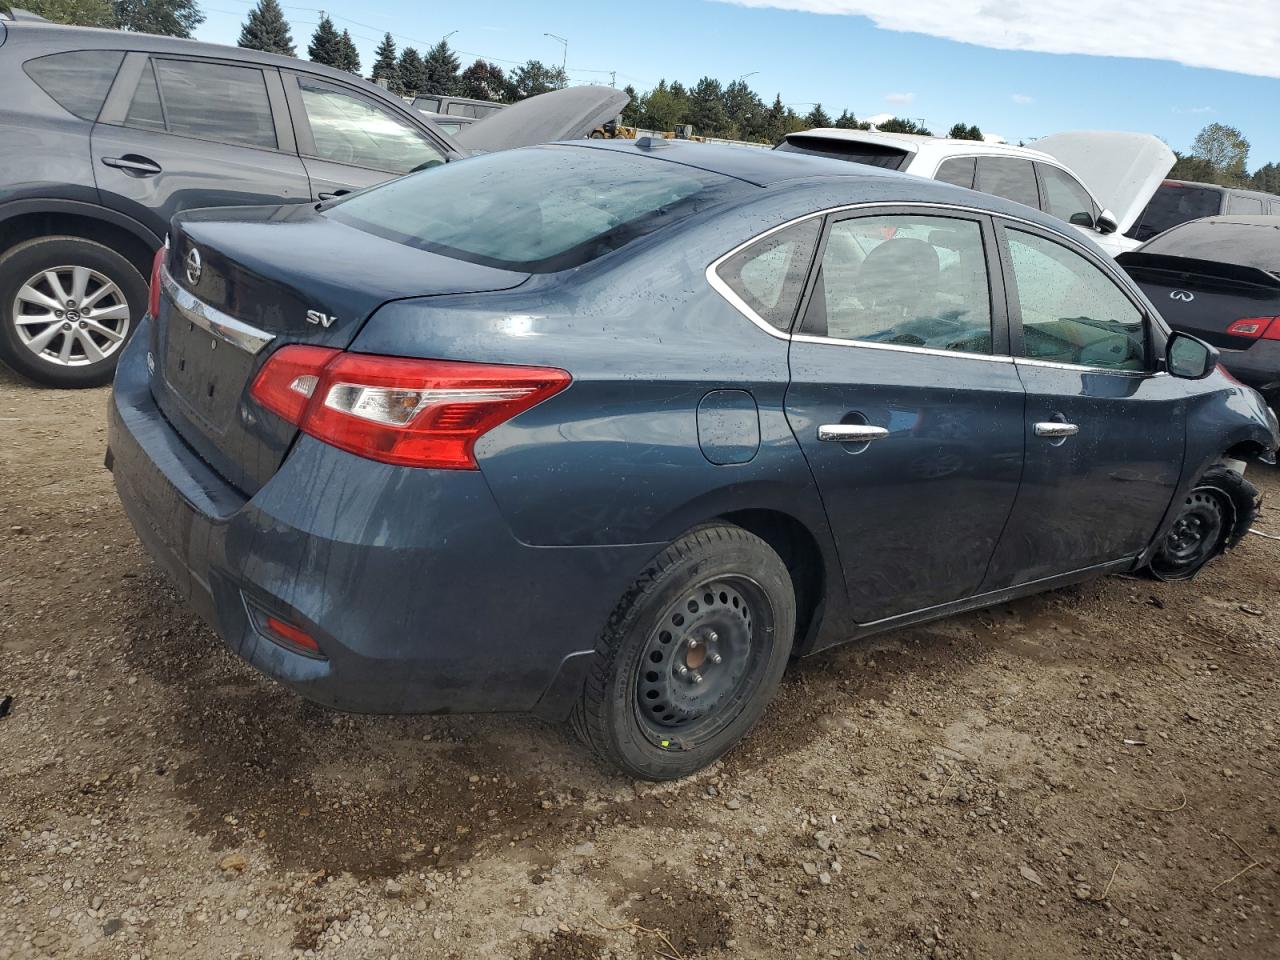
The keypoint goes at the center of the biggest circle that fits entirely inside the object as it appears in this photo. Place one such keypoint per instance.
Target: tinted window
(1237, 203)
(1173, 204)
(429, 104)
(1010, 178)
(769, 275)
(79, 80)
(1071, 311)
(1222, 240)
(1065, 198)
(145, 110)
(347, 128)
(957, 170)
(539, 209)
(213, 101)
(877, 155)
(914, 281)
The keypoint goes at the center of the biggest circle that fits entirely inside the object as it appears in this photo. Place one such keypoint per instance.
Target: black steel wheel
(691, 655)
(1197, 535)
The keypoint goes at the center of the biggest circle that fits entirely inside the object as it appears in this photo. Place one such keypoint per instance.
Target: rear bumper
(410, 581)
(1258, 366)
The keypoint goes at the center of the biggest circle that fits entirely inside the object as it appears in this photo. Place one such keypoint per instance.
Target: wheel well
(793, 542)
(1246, 450)
(29, 226)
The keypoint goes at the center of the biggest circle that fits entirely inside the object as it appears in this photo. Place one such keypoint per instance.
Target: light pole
(745, 75)
(564, 61)
(445, 38)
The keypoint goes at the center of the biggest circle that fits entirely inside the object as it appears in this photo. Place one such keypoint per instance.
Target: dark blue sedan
(612, 431)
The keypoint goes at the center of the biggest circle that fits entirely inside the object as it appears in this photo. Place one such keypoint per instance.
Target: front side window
(1065, 198)
(536, 209)
(1071, 311)
(768, 276)
(349, 129)
(1010, 178)
(914, 281)
(78, 80)
(212, 101)
(957, 170)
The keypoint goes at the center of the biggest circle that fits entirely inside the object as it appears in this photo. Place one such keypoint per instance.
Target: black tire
(27, 260)
(1215, 515)
(720, 592)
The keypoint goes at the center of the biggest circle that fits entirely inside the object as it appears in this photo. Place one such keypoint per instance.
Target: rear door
(181, 133)
(1104, 428)
(907, 405)
(349, 140)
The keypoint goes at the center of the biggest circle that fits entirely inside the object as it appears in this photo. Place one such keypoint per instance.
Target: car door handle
(851, 432)
(133, 165)
(334, 195)
(1055, 429)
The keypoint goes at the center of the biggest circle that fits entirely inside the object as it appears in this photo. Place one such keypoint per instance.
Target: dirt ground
(1088, 773)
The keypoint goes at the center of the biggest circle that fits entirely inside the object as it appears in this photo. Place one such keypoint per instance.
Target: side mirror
(1189, 358)
(1107, 222)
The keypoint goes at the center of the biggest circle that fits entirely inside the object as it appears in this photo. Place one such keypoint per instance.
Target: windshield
(538, 209)
(875, 154)
(1173, 204)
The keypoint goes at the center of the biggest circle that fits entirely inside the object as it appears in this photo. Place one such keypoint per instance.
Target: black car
(1180, 201)
(1219, 279)
(105, 135)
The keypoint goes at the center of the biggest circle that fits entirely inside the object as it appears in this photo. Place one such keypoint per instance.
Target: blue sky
(980, 61)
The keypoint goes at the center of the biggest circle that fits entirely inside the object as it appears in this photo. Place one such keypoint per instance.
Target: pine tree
(169, 18)
(632, 111)
(441, 69)
(384, 66)
(267, 30)
(847, 121)
(959, 131)
(412, 72)
(349, 56)
(326, 44)
(818, 117)
(706, 109)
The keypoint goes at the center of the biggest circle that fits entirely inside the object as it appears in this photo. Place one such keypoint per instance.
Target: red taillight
(415, 413)
(153, 301)
(1268, 328)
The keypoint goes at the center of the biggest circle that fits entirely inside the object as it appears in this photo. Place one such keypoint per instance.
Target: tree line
(1220, 154)
(172, 18)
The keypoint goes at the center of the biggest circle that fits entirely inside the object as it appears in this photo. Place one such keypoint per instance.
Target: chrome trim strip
(1086, 368)
(212, 320)
(902, 348)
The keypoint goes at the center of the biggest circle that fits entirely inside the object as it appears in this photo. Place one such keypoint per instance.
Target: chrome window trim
(722, 288)
(212, 320)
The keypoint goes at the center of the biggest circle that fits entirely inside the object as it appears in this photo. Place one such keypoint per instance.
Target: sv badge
(325, 320)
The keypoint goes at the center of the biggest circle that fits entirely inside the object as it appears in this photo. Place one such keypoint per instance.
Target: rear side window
(1173, 204)
(429, 104)
(537, 209)
(874, 154)
(768, 276)
(957, 170)
(78, 80)
(1065, 198)
(208, 101)
(1010, 178)
(1237, 203)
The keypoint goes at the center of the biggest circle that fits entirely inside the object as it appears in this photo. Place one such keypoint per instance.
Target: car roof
(59, 37)
(917, 144)
(1262, 194)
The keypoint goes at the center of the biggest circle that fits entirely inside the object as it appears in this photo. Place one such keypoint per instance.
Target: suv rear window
(78, 80)
(1173, 204)
(874, 154)
(539, 209)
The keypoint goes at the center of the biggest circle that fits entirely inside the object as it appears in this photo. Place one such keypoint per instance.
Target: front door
(178, 133)
(1104, 430)
(907, 405)
(349, 141)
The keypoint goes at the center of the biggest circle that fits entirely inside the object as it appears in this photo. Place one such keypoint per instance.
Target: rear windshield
(1173, 204)
(539, 209)
(1223, 240)
(875, 154)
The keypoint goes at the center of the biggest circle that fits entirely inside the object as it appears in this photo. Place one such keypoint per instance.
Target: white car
(1122, 171)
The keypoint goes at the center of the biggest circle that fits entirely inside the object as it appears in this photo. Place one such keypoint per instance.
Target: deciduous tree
(169, 18)
(82, 13)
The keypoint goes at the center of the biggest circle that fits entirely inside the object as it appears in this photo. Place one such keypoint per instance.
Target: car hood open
(1122, 170)
(568, 114)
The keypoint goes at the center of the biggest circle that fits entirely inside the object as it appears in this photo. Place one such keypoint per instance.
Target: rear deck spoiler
(1165, 267)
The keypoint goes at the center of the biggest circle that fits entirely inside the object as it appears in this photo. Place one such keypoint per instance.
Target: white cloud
(1193, 109)
(899, 97)
(1242, 37)
(879, 118)
(1022, 99)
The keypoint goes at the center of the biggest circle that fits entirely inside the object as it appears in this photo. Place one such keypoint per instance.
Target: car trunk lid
(239, 284)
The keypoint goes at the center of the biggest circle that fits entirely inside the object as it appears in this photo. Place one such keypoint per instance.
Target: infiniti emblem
(1183, 295)
(193, 266)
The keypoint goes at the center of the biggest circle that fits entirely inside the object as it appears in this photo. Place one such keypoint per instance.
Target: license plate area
(206, 372)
